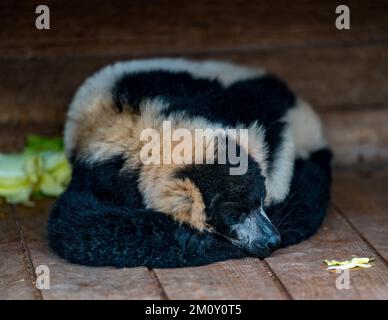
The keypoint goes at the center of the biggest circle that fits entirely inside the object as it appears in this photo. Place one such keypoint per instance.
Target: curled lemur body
(120, 211)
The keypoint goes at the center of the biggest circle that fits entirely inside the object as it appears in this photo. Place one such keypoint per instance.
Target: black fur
(107, 183)
(299, 216)
(86, 229)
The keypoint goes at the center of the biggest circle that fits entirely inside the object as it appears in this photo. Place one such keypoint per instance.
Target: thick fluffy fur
(117, 210)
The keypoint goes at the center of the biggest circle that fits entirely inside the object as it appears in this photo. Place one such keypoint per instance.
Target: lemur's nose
(273, 242)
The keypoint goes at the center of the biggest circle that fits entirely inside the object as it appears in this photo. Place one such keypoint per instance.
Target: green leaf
(36, 143)
(41, 169)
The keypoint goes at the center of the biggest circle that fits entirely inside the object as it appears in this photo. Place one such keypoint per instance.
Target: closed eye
(257, 202)
(262, 202)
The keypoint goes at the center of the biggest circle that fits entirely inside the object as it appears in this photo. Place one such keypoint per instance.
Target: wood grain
(13, 136)
(8, 228)
(345, 78)
(300, 268)
(14, 280)
(361, 195)
(357, 136)
(70, 281)
(234, 279)
(170, 27)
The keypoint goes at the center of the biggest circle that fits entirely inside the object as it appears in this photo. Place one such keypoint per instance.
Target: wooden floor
(342, 72)
(356, 224)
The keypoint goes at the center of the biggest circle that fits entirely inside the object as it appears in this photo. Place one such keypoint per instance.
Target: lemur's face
(235, 206)
(238, 215)
(244, 222)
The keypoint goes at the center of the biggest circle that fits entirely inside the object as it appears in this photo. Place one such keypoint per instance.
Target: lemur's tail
(84, 230)
(87, 230)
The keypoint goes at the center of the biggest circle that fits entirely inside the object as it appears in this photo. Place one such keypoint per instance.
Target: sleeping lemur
(119, 210)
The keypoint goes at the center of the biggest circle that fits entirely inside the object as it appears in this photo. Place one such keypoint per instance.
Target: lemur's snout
(265, 244)
(257, 235)
(273, 242)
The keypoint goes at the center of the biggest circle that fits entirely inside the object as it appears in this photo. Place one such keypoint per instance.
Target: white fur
(278, 181)
(306, 129)
(302, 137)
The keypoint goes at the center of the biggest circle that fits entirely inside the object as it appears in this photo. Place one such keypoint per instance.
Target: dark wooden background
(342, 72)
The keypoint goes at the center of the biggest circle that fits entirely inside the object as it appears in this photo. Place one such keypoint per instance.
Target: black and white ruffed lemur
(122, 212)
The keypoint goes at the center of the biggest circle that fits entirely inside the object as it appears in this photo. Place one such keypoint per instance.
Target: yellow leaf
(349, 264)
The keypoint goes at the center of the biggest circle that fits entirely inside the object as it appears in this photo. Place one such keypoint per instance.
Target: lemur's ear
(121, 100)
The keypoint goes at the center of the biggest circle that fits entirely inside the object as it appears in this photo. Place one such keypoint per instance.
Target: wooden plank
(301, 270)
(13, 136)
(155, 27)
(70, 281)
(332, 78)
(233, 279)
(357, 136)
(8, 228)
(14, 279)
(362, 197)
